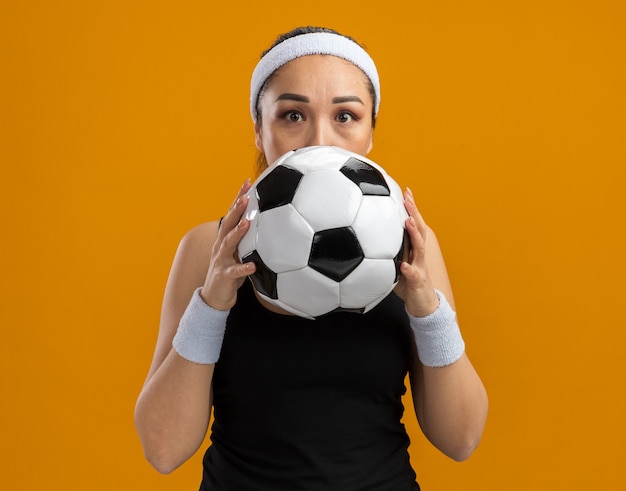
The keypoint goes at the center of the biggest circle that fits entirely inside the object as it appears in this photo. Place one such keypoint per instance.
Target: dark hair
(261, 161)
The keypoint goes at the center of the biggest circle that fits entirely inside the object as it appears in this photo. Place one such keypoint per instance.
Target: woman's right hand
(226, 272)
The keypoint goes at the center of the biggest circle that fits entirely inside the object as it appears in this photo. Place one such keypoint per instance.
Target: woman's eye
(293, 116)
(345, 117)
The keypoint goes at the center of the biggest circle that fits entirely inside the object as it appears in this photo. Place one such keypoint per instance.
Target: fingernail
(410, 195)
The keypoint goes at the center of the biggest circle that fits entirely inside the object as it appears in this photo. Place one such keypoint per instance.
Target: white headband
(316, 43)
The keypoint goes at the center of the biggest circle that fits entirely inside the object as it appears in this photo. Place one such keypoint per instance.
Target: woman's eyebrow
(289, 96)
(292, 97)
(347, 98)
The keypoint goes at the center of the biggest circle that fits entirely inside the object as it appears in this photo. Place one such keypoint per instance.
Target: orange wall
(123, 124)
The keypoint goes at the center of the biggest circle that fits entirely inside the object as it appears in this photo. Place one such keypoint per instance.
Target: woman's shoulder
(198, 241)
(192, 259)
(202, 232)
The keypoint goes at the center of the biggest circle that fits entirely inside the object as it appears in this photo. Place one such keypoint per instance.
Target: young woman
(302, 404)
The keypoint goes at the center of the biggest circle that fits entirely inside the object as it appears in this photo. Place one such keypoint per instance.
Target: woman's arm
(450, 401)
(173, 409)
(451, 406)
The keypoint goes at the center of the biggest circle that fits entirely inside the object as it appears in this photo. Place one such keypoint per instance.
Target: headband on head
(316, 43)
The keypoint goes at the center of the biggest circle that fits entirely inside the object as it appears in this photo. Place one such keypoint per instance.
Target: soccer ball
(326, 232)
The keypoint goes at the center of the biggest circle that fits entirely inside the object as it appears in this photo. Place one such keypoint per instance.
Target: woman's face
(315, 100)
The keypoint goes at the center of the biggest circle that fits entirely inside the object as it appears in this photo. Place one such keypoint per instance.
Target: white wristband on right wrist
(437, 335)
(200, 332)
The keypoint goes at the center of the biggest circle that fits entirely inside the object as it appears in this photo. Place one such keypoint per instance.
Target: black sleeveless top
(310, 404)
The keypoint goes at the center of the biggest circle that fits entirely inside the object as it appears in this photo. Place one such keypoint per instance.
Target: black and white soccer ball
(326, 232)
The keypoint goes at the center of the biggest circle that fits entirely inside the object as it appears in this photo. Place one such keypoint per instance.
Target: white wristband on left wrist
(200, 332)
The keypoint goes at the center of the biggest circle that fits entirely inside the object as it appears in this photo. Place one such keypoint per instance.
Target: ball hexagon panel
(307, 291)
(283, 239)
(358, 289)
(379, 227)
(326, 199)
(398, 198)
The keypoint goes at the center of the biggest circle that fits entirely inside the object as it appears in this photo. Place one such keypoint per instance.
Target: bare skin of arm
(450, 402)
(173, 409)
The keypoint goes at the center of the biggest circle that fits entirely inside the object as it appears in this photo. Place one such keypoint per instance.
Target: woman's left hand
(415, 286)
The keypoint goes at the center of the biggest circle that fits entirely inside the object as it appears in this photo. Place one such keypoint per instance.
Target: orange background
(123, 124)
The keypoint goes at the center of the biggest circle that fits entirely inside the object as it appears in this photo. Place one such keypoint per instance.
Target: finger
(413, 211)
(416, 239)
(235, 235)
(415, 227)
(245, 187)
(235, 270)
(228, 245)
(226, 271)
(221, 285)
(232, 217)
(241, 270)
(411, 208)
